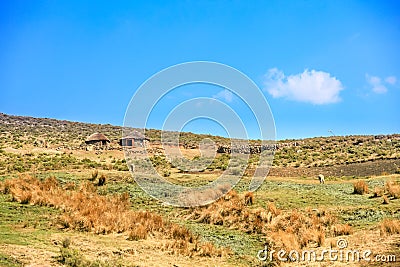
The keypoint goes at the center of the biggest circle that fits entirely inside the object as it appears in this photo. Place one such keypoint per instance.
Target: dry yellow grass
(360, 187)
(273, 209)
(85, 210)
(94, 175)
(378, 191)
(294, 229)
(393, 189)
(385, 200)
(249, 198)
(289, 230)
(342, 229)
(232, 211)
(390, 227)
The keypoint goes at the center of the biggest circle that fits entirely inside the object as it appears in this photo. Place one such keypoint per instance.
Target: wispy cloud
(316, 87)
(379, 86)
(391, 80)
(376, 84)
(224, 95)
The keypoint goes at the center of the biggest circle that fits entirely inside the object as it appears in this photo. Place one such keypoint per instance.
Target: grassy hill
(301, 156)
(62, 204)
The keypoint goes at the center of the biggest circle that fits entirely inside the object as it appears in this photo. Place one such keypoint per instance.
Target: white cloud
(378, 85)
(224, 95)
(316, 87)
(391, 80)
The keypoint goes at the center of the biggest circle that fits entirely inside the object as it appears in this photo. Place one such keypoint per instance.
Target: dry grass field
(62, 204)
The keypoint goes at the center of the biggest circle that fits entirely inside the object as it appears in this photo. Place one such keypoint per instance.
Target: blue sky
(322, 65)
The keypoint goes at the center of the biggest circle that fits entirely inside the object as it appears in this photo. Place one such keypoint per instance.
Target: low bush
(390, 227)
(360, 187)
(378, 191)
(393, 189)
(342, 229)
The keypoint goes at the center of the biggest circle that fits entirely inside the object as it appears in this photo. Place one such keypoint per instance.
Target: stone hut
(97, 139)
(134, 139)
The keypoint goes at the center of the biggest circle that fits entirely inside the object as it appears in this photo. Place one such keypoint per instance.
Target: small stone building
(134, 139)
(97, 139)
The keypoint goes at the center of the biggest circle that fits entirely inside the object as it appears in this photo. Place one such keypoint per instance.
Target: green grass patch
(8, 261)
(24, 224)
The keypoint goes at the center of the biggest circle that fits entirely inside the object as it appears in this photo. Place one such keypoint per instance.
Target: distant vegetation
(67, 204)
(18, 132)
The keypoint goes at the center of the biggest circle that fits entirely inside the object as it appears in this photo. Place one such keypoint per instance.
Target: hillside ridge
(292, 157)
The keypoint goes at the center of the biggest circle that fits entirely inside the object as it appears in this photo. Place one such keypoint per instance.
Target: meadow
(64, 205)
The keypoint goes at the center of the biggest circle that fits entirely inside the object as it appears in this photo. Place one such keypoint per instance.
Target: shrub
(207, 249)
(66, 242)
(360, 187)
(342, 229)
(139, 232)
(70, 186)
(393, 189)
(181, 233)
(249, 198)
(102, 180)
(390, 227)
(273, 209)
(95, 173)
(71, 257)
(385, 199)
(320, 237)
(378, 192)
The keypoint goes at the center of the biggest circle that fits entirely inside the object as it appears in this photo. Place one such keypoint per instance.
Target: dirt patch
(111, 249)
(30, 256)
(370, 168)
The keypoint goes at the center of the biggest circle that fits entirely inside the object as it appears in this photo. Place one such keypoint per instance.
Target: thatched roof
(135, 135)
(97, 137)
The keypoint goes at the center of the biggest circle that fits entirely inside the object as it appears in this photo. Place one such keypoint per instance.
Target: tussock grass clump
(385, 200)
(378, 191)
(66, 242)
(249, 198)
(102, 180)
(138, 232)
(390, 227)
(360, 187)
(70, 186)
(393, 189)
(273, 209)
(184, 242)
(181, 233)
(72, 257)
(207, 249)
(94, 175)
(342, 229)
(85, 210)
